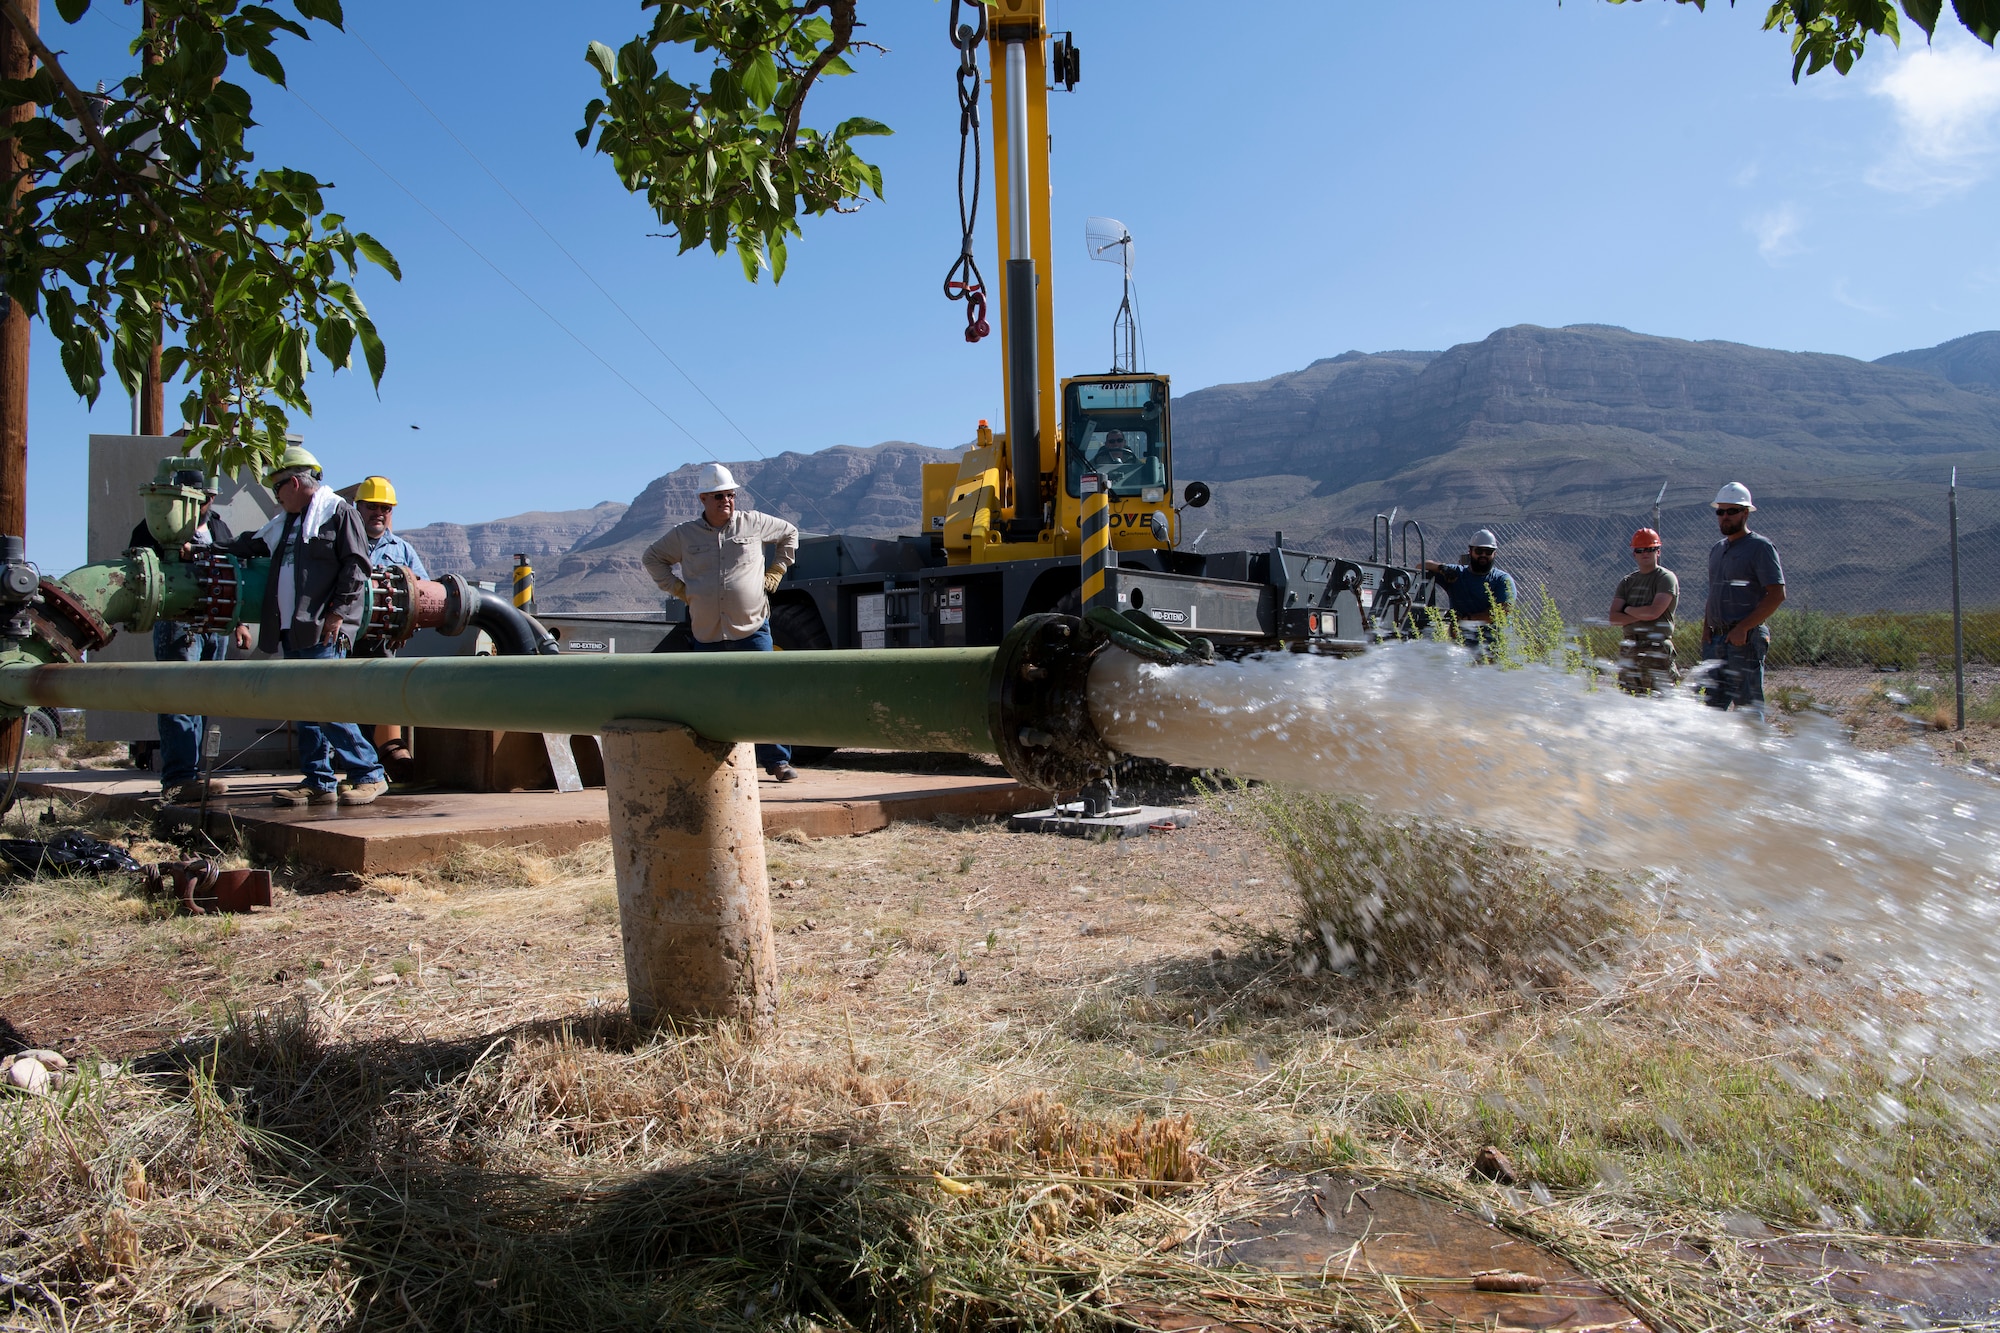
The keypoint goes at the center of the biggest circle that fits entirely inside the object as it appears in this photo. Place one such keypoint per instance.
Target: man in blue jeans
(727, 580)
(1746, 584)
(312, 611)
(180, 733)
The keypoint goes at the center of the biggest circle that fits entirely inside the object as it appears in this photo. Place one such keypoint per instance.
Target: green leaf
(1980, 17)
(372, 350)
(760, 80)
(377, 253)
(605, 60)
(1924, 13)
(336, 342)
(72, 11)
(856, 126)
(327, 11)
(265, 63)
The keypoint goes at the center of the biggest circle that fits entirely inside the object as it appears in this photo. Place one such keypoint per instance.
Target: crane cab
(1116, 427)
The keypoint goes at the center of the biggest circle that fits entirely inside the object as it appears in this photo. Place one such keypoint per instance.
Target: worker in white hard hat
(730, 561)
(312, 611)
(375, 498)
(1746, 584)
(1477, 588)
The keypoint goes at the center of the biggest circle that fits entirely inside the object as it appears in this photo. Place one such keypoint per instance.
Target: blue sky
(1307, 179)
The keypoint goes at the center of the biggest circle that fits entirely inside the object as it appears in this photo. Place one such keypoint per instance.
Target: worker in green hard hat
(312, 610)
(181, 782)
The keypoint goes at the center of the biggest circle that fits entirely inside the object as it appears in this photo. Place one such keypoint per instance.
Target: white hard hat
(714, 477)
(1484, 537)
(1735, 493)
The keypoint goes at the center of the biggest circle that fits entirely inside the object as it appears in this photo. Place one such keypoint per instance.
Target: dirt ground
(916, 925)
(1864, 701)
(414, 1101)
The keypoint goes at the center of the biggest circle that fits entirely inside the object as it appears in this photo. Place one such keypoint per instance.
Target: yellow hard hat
(375, 490)
(295, 456)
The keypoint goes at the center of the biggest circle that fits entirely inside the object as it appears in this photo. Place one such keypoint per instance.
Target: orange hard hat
(1643, 538)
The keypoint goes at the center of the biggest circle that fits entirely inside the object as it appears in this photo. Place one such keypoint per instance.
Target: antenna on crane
(1109, 242)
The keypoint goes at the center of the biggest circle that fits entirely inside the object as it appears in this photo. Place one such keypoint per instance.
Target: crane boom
(1018, 78)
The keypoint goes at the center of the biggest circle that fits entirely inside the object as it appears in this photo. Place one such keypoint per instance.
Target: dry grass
(1401, 900)
(1012, 1078)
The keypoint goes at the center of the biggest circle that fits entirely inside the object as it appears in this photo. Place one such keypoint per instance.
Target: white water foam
(1797, 839)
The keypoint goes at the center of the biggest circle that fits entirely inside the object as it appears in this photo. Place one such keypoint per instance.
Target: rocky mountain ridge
(1567, 433)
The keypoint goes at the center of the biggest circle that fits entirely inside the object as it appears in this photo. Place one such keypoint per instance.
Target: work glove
(676, 589)
(772, 578)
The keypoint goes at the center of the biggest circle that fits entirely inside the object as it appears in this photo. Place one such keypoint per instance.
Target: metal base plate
(1125, 822)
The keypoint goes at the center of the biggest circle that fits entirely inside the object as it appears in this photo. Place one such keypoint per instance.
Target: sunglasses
(1730, 511)
(1645, 550)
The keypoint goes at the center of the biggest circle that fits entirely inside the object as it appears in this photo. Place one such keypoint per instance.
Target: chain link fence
(1867, 617)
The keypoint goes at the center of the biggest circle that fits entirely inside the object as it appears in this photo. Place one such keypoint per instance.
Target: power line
(555, 241)
(508, 279)
(503, 275)
(589, 277)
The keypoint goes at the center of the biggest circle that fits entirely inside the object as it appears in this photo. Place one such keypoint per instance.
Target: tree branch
(86, 115)
(842, 12)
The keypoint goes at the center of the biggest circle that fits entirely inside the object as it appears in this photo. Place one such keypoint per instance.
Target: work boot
(784, 772)
(304, 795)
(361, 793)
(397, 760)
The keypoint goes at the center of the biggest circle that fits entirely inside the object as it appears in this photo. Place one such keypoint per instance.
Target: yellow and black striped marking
(1097, 556)
(524, 583)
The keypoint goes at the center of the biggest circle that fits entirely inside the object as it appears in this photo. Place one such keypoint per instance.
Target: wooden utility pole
(16, 62)
(152, 392)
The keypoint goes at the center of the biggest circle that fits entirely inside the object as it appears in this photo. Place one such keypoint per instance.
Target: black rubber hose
(513, 631)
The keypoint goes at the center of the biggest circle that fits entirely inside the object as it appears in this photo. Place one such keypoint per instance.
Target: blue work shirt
(389, 549)
(1738, 573)
(1476, 594)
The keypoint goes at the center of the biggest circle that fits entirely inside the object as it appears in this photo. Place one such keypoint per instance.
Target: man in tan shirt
(726, 580)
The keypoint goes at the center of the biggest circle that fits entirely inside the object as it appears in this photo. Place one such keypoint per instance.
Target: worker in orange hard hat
(1643, 607)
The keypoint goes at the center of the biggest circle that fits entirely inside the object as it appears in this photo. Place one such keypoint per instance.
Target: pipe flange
(148, 587)
(461, 599)
(402, 604)
(391, 609)
(67, 624)
(1038, 706)
(217, 588)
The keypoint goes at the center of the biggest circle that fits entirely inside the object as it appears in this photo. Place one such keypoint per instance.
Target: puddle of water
(1341, 1224)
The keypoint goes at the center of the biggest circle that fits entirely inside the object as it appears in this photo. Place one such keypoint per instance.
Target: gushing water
(1798, 839)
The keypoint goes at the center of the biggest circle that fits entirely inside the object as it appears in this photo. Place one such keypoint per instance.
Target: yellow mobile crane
(1003, 526)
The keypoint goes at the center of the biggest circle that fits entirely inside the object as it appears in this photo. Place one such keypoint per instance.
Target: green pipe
(900, 699)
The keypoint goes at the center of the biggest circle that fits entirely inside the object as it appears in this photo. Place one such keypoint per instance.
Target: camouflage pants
(1646, 660)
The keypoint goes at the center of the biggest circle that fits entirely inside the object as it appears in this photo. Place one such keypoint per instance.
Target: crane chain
(962, 281)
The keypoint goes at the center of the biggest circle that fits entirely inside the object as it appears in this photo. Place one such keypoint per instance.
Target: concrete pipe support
(694, 905)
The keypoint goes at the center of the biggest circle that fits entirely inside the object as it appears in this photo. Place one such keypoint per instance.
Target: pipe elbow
(514, 632)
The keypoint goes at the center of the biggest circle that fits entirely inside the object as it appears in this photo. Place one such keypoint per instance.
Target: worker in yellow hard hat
(375, 497)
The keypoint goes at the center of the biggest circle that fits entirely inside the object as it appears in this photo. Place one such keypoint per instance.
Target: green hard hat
(295, 456)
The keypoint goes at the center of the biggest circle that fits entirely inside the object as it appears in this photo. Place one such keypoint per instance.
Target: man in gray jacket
(727, 580)
(312, 610)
